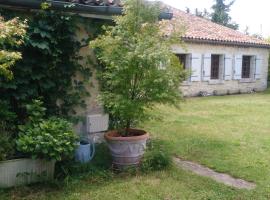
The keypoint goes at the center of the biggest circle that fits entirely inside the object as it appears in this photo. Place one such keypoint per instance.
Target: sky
(252, 13)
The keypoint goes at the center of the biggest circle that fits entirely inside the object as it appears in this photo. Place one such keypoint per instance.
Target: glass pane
(215, 67)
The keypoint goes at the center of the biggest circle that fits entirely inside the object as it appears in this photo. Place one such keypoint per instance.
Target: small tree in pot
(138, 69)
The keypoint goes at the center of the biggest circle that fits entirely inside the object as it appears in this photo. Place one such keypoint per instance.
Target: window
(183, 60)
(215, 66)
(246, 66)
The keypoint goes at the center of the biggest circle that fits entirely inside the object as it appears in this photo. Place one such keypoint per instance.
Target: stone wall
(92, 104)
(222, 87)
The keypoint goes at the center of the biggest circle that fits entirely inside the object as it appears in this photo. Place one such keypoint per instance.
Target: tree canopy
(221, 14)
(139, 67)
(11, 35)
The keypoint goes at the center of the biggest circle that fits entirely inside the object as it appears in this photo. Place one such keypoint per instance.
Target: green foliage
(51, 139)
(138, 67)
(221, 14)
(35, 111)
(6, 131)
(269, 69)
(157, 157)
(12, 33)
(99, 167)
(50, 66)
(6, 146)
(268, 40)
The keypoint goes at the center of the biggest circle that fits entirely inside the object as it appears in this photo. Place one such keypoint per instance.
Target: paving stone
(219, 177)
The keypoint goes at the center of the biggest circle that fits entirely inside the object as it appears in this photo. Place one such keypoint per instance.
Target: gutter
(229, 43)
(72, 7)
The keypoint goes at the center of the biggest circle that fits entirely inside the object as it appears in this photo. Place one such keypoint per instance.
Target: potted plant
(42, 142)
(137, 70)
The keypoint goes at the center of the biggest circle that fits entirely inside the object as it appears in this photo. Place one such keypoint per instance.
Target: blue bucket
(85, 152)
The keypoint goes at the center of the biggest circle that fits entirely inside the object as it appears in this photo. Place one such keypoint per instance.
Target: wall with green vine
(56, 65)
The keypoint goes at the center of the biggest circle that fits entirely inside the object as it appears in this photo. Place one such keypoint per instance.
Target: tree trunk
(127, 128)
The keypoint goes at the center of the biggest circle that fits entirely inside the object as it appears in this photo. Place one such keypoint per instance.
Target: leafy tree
(221, 14)
(139, 68)
(12, 33)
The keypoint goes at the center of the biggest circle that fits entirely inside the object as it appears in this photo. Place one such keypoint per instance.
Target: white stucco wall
(231, 86)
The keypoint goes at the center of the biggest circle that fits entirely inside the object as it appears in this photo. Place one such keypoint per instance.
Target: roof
(198, 29)
(96, 2)
(103, 9)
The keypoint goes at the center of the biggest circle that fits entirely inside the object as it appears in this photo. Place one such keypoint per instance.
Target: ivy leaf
(41, 45)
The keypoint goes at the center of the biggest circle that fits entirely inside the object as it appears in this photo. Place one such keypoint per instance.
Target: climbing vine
(51, 64)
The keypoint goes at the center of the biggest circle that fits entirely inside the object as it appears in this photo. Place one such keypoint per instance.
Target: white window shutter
(228, 63)
(258, 67)
(237, 75)
(196, 63)
(206, 67)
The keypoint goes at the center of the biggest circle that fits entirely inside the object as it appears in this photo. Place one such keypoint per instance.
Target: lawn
(229, 134)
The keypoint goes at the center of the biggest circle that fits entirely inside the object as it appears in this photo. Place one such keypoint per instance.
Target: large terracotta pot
(127, 151)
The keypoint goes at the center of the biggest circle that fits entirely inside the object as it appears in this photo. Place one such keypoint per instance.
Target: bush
(156, 158)
(51, 139)
(98, 169)
(7, 128)
(6, 146)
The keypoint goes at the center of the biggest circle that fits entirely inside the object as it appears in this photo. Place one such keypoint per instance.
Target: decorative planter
(25, 171)
(85, 152)
(127, 151)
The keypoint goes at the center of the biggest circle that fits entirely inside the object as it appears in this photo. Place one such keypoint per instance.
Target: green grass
(229, 134)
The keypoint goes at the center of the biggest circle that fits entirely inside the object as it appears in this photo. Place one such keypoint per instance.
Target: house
(99, 10)
(220, 60)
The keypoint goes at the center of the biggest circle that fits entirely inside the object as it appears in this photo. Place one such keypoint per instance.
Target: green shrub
(7, 128)
(6, 146)
(156, 158)
(98, 169)
(52, 139)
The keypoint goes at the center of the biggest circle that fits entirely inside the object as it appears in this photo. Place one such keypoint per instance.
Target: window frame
(186, 64)
(179, 56)
(246, 67)
(215, 67)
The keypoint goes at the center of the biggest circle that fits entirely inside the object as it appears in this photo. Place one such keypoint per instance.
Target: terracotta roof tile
(200, 29)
